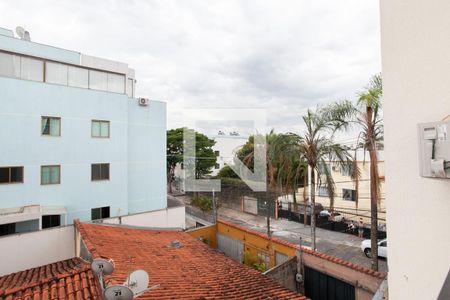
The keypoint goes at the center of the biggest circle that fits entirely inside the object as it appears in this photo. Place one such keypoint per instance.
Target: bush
(252, 262)
(202, 202)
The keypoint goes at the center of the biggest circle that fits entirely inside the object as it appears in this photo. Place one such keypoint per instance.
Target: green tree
(205, 158)
(318, 146)
(369, 117)
(227, 172)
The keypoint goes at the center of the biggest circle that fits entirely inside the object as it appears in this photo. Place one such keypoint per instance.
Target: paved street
(334, 243)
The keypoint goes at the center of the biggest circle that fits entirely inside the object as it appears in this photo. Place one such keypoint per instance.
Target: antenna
(23, 34)
(137, 281)
(20, 31)
(102, 267)
(118, 292)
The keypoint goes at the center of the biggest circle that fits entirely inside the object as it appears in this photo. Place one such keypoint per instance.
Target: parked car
(334, 216)
(382, 248)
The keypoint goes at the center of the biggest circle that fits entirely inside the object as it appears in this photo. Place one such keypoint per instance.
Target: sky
(280, 56)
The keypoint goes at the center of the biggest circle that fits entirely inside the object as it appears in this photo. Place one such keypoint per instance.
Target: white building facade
(415, 48)
(75, 142)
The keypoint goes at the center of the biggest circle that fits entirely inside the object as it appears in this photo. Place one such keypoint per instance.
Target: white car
(382, 248)
(335, 216)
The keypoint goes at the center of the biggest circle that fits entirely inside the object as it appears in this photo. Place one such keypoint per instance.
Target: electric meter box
(434, 149)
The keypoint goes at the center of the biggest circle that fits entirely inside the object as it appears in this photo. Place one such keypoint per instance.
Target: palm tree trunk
(305, 200)
(313, 209)
(373, 190)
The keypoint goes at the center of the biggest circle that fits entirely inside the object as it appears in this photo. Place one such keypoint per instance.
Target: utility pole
(214, 207)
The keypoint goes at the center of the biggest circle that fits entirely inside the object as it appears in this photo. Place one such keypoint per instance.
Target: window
(99, 172)
(6, 229)
(51, 221)
(216, 166)
(216, 153)
(324, 168)
(56, 73)
(31, 69)
(9, 65)
(116, 83)
(349, 195)
(11, 175)
(51, 126)
(98, 80)
(100, 129)
(50, 175)
(323, 191)
(78, 77)
(263, 258)
(347, 169)
(100, 213)
(130, 90)
(383, 244)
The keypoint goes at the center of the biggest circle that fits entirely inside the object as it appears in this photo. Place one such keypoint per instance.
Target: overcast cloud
(281, 55)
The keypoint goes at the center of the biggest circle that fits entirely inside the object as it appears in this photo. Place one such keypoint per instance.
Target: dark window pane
(17, 174)
(45, 126)
(6, 229)
(4, 175)
(105, 171)
(51, 221)
(95, 214)
(105, 212)
(95, 172)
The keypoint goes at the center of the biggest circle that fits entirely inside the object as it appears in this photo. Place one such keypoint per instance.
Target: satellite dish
(102, 266)
(118, 292)
(20, 31)
(137, 281)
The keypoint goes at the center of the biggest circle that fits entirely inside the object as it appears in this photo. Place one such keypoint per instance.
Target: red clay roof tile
(52, 281)
(193, 271)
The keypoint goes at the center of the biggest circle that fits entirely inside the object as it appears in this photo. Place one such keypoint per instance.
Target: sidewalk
(342, 245)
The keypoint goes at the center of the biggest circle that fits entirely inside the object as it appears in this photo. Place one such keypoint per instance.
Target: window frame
(51, 118)
(50, 216)
(59, 174)
(9, 175)
(100, 136)
(352, 195)
(101, 209)
(101, 179)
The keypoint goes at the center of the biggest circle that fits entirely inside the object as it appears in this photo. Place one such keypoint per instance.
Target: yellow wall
(206, 232)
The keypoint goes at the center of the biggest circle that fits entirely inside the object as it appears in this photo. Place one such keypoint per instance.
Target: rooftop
(67, 279)
(193, 271)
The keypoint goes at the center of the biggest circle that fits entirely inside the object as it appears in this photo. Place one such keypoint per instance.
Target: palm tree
(370, 120)
(317, 145)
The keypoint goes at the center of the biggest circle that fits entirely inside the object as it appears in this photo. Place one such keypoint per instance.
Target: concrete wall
(173, 217)
(285, 273)
(416, 71)
(23, 251)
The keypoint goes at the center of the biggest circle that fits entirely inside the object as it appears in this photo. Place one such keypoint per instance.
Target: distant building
(354, 205)
(225, 148)
(76, 143)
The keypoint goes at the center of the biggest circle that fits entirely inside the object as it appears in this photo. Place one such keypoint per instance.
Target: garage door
(231, 247)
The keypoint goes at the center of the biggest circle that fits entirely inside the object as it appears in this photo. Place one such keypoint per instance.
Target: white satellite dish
(137, 281)
(118, 292)
(23, 34)
(20, 31)
(102, 266)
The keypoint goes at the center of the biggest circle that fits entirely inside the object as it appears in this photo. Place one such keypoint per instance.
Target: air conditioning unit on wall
(143, 101)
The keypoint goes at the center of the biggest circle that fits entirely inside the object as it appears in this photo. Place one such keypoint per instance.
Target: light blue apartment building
(75, 142)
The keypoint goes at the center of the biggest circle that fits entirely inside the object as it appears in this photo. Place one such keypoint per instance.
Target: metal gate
(320, 286)
(250, 205)
(280, 258)
(231, 247)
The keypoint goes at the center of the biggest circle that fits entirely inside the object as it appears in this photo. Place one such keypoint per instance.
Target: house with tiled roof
(67, 279)
(191, 270)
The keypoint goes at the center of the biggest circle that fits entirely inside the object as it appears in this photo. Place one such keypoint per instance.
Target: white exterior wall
(20, 252)
(227, 146)
(415, 37)
(173, 217)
